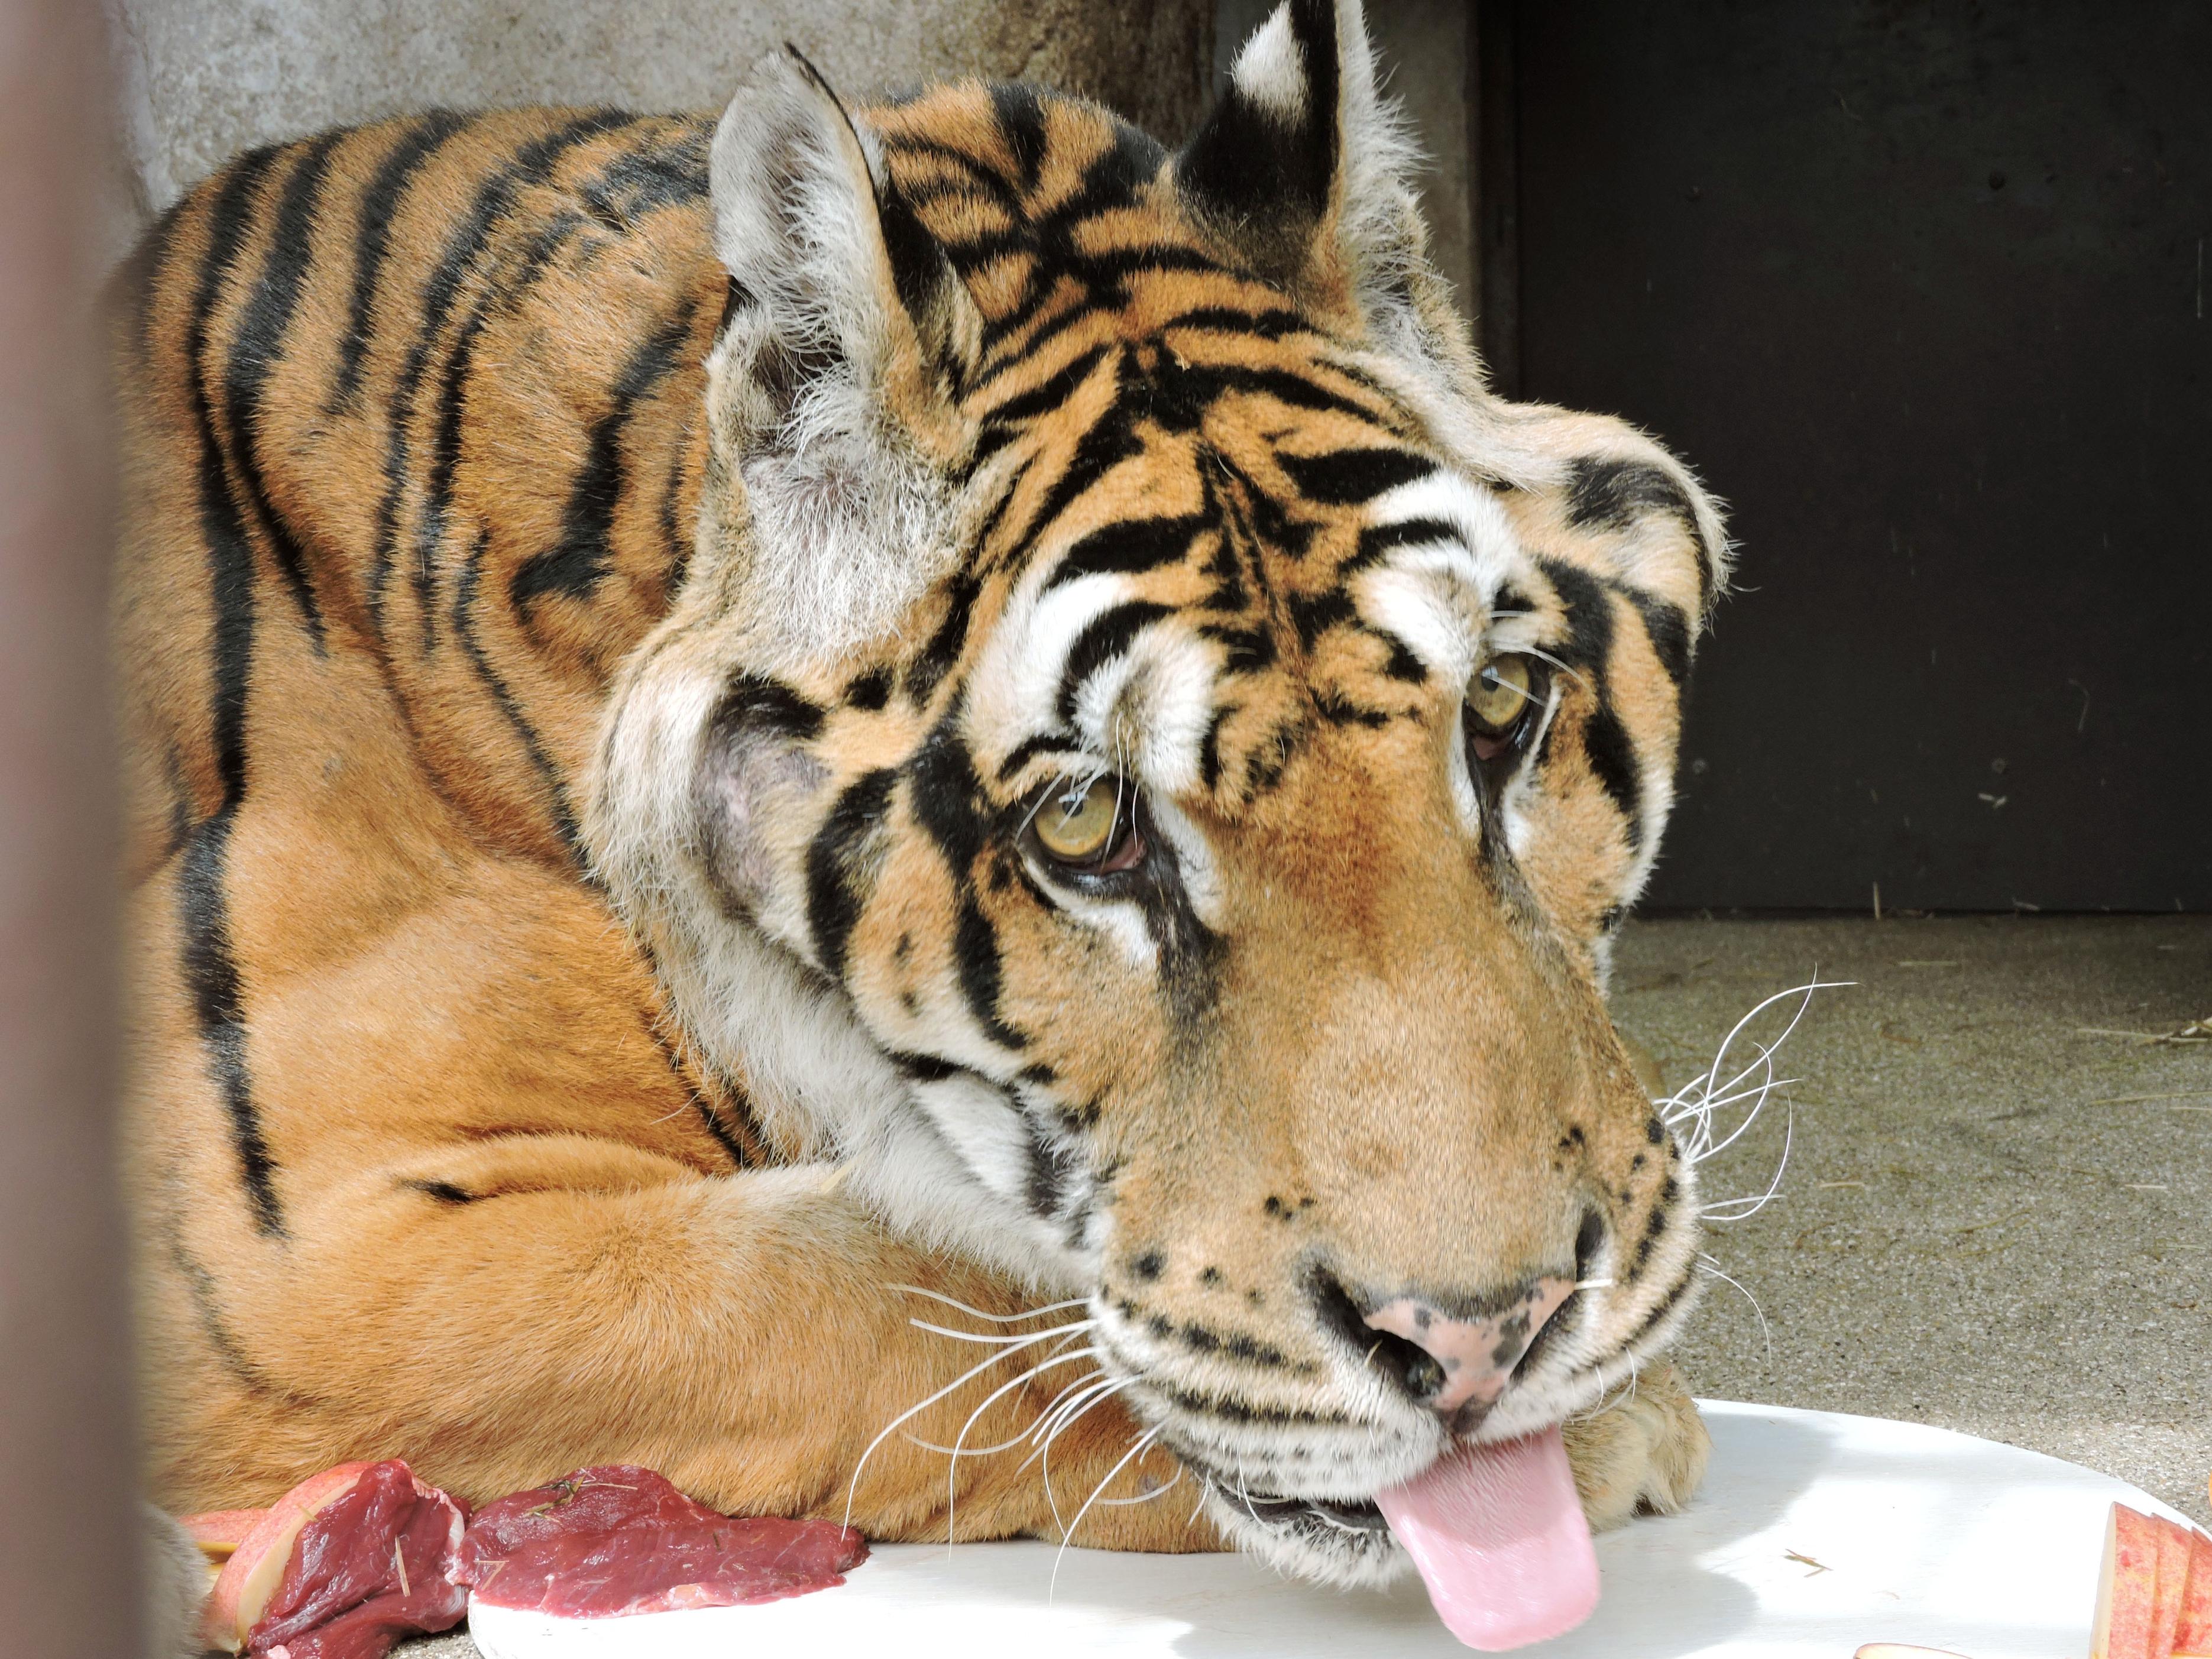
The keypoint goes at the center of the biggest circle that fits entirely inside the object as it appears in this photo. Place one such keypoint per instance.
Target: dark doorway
(1922, 289)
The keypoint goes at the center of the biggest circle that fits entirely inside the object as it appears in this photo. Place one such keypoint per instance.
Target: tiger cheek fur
(902, 717)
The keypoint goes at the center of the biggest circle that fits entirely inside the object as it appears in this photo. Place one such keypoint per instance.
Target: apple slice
(2173, 1551)
(256, 1566)
(2193, 1634)
(219, 1532)
(2127, 1589)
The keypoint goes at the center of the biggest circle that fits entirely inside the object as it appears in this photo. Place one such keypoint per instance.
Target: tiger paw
(1641, 1452)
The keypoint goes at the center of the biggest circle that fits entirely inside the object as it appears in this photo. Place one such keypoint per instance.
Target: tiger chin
(758, 746)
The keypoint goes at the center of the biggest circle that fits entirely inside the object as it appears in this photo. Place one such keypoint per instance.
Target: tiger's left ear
(832, 391)
(1307, 172)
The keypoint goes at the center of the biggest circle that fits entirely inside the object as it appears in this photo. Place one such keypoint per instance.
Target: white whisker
(853, 1489)
(1706, 1265)
(996, 1319)
(952, 1470)
(1752, 1207)
(1144, 1498)
(1042, 1456)
(1010, 1341)
(1067, 1534)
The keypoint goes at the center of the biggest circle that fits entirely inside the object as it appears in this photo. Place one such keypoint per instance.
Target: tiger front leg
(502, 1313)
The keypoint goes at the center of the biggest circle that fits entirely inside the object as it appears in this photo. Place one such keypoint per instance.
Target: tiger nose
(1472, 1357)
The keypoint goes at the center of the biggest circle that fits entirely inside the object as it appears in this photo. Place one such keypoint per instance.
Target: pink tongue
(1500, 1541)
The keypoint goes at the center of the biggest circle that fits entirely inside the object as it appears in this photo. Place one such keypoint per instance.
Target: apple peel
(255, 1565)
(219, 1532)
(2193, 1634)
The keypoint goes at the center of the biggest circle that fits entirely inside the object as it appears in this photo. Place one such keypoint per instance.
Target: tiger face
(1149, 752)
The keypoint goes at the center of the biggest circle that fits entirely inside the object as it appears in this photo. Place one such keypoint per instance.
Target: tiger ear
(1305, 170)
(833, 390)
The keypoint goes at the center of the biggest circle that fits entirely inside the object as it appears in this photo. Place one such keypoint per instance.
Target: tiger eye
(1079, 829)
(1501, 692)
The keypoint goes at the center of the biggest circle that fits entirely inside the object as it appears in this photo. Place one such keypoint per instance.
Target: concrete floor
(1996, 1214)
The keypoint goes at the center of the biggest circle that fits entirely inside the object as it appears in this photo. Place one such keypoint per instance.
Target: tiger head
(1150, 752)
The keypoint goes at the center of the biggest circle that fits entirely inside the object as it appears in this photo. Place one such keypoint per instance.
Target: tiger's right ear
(832, 391)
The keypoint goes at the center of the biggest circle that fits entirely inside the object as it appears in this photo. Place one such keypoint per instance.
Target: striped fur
(602, 602)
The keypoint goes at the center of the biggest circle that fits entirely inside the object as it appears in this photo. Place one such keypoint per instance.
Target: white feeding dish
(1815, 1534)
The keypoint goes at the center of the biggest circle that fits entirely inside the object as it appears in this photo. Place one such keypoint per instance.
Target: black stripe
(1053, 1168)
(1021, 118)
(1209, 751)
(200, 1284)
(837, 874)
(1378, 539)
(1315, 614)
(573, 565)
(380, 204)
(1128, 548)
(1103, 637)
(210, 970)
(934, 660)
(453, 408)
(677, 544)
(464, 630)
(1603, 493)
(443, 1192)
(1612, 759)
(923, 1068)
(254, 351)
(211, 976)
(1043, 743)
(531, 164)
(975, 952)
(1287, 386)
(1347, 478)
(1612, 495)
(1049, 394)
(1107, 443)
(1588, 649)
(645, 180)
(947, 802)
(1589, 643)
(754, 704)
(1272, 323)
(1667, 628)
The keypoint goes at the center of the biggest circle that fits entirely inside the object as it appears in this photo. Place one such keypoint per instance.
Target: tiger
(911, 809)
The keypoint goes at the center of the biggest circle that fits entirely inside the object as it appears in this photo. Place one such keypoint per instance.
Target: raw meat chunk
(369, 1568)
(620, 1538)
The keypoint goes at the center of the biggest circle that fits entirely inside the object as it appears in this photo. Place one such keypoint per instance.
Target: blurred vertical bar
(68, 1537)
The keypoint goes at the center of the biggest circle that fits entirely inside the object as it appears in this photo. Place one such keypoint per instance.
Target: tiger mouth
(1278, 1513)
(1298, 1513)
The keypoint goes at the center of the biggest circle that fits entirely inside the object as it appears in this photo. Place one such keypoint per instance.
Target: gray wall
(197, 80)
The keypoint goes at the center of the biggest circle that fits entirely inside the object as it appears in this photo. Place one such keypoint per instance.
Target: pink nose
(1476, 1355)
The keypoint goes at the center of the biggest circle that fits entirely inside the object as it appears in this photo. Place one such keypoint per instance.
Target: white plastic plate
(1814, 1533)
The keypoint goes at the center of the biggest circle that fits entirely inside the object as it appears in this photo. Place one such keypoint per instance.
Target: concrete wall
(199, 79)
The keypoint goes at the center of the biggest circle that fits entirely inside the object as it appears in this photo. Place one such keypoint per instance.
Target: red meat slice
(369, 1568)
(620, 1538)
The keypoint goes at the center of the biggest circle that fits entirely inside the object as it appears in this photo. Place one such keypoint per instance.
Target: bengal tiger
(752, 744)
